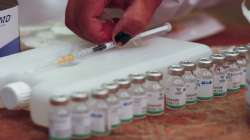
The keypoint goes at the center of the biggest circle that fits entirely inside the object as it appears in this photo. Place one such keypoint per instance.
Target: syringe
(67, 59)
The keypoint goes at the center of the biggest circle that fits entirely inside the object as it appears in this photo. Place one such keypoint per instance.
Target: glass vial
(81, 121)
(248, 83)
(139, 95)
(155, 93)
(175, 94)
(219, 74)
(59, 118)
(99, 113)
(234, 73)
(205, 79)
(190, 82)
(126, 100)
(114, 104)
(242, 62)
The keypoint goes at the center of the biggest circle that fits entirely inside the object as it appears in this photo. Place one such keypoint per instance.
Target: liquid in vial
(242, 61)
(175, 92)
(99, 113)
(190, 82)
(139, 95)
(219, 74)
(155, 93)
(81, 121)
(205, 79)
(126, 100)
(59, 118)
(114, 104)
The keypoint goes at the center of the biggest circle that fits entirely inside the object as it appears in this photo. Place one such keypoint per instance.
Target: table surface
(220, 119)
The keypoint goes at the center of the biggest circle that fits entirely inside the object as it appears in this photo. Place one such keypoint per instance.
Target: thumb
(135, 19)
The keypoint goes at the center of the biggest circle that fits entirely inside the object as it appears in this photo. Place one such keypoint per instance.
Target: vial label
(126, 111)
(191, 92)
(205, 89)
(114, 118)
(60, 125)
(155, 103)
(243, 76)
(81, 124)
(99, 122)
(140, 106)
(220, 82)
(176, 97)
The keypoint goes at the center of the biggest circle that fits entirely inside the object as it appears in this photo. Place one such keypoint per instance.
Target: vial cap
(231, 55)
(176, 70)
(123, 83)
(16, 95)
(100, 93)
(137, 78)
(59, 100)
(242, 51)
(188, 65)
(154, 76)
(111, 87)
(218, 58)
(205, 63)
(79, 97)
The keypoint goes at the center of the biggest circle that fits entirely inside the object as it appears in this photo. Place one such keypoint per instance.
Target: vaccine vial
(114, 104)
(175, 92)
(242, 61)
(139, 95)
(81, 121)
(190, 82)
(234, 73)
(219, 74)
(155, 93)
(248, 83)
(99, 113)
(205, 79)
(126, 100)
(59, 118)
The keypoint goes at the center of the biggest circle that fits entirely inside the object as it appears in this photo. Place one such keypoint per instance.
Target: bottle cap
(59, 100)
(231, 55)
(176, 70)
(137, 78)
(205, 63)
(188, 65)
(100, 93)
(242, 51)
(79, 97)
(16, 95)
(218, 58)
(123, 83)
(154, 76)
(112, 87)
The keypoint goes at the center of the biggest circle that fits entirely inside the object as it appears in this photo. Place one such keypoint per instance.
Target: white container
(158, 54)
(22, 66)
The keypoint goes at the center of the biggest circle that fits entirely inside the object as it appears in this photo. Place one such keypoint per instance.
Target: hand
(82, 17)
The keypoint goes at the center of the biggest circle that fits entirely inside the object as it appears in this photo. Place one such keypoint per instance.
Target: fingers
(82, 17)
(135, 19)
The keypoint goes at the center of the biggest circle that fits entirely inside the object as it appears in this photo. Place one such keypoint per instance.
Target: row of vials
(83, 115)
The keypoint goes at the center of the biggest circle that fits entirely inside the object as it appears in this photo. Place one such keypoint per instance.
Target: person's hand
(83, 18)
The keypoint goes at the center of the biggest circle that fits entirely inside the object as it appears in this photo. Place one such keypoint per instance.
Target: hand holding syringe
(72, 57)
